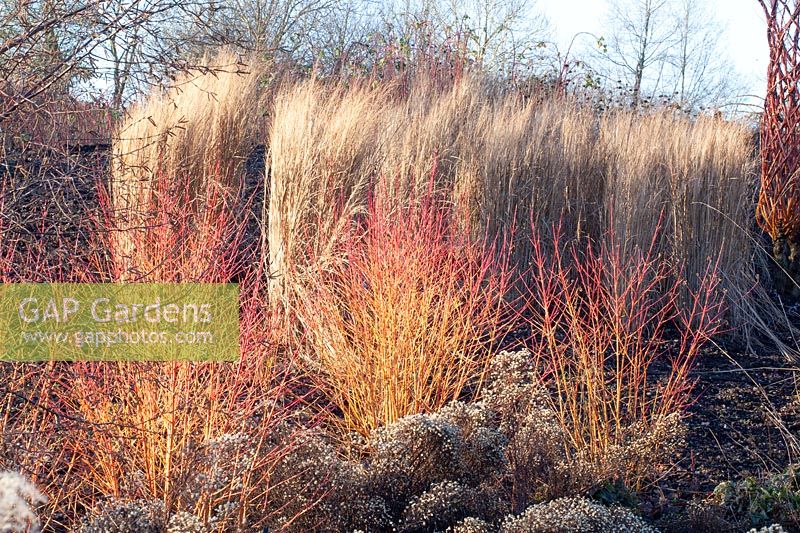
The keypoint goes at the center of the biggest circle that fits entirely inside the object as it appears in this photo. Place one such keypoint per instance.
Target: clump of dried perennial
(18, 499)
(541, 463)
(121, 516)
(567, 515)
(462, 468)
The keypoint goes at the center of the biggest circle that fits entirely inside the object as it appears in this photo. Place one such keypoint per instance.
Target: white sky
(742, 21)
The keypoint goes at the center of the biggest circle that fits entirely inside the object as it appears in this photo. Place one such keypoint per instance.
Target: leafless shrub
(189, 145)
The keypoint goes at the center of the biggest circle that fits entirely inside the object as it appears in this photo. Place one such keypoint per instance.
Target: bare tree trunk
(641, 59)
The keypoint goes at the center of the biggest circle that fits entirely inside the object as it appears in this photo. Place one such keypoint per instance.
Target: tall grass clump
(408, 321)
(191, 143)
(425, 130)
(497, 157)
(532, 158)
(324, 146)
(695, 180)
(503, 158)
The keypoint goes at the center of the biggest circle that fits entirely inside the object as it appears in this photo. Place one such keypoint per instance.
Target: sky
(742, 21)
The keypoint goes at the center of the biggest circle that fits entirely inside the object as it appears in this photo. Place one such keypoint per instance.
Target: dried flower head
(18, 497)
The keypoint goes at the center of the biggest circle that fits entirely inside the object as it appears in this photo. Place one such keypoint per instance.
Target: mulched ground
(745, 418)
(744, 422)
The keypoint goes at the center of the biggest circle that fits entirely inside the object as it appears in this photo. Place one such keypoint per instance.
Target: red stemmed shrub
(180, 236)
(407, 320)
(603, 329)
